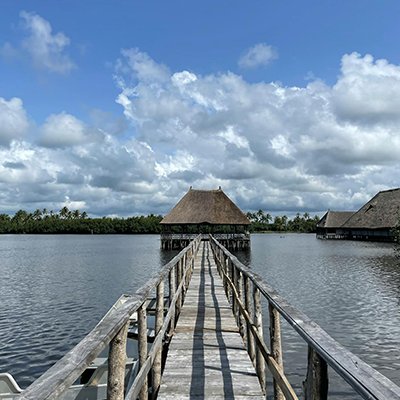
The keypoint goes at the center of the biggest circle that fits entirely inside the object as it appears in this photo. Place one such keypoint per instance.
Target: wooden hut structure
(376, 219)
(205, 211)
(328, 226)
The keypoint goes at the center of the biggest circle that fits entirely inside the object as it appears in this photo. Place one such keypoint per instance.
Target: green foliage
(73, 221)
(262, 221)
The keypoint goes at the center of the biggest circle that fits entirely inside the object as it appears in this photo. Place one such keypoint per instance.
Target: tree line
(74, 221)
(262, 221)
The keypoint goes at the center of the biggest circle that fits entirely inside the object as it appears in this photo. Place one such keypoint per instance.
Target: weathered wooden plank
(207, 357)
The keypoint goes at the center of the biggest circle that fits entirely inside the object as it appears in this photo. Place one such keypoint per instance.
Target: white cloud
(259, 55)
(63, 130)
(284, 149)
(13, 120)
(46, 49)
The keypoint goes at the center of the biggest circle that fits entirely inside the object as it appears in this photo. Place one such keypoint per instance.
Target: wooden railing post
(276, 345)
(260, 362)
(172, 289)
(249, 308)
(178, 281)
(158, 325)
(239, 288)
(142, 339)
(234, 280)
(316, 383)
(117, 365)
(229, 273)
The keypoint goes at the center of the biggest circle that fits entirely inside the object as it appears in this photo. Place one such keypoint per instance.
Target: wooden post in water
(276, 345)
(249, 308)
(158, 325)
(142, 339)
(260, 362)
(116, 365)
(316, 383)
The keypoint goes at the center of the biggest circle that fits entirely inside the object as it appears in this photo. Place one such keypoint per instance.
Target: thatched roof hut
(373, 221)
(212, 207)
(206, 212)
(334, 219)
(381, 212)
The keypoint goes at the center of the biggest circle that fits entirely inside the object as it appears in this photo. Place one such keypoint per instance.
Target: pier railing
(244, 289)
(112, 330)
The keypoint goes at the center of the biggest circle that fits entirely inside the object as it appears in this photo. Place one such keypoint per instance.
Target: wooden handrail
(364, 379)
(57, 379)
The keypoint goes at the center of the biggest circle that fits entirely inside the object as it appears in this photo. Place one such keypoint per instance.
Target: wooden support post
(172, 289)
(223, 272)
(229, 273)
(316, 383)
(116, 365)
(240, 318)
(249, 308)
(276, 345)
(158, 325)
(178, 281)
(260, 362)
(142, 343)
(234, 305)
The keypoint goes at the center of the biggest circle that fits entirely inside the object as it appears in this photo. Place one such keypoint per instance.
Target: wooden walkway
(207, 357)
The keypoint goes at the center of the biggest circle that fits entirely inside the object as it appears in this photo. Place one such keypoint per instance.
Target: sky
(118, 107)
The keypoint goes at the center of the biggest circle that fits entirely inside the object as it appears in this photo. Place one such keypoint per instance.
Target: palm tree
(64, 212)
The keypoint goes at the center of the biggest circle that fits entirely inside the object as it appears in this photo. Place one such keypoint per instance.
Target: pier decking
(207, 357)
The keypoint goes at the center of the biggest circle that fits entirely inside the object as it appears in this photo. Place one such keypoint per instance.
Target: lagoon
(55, 288)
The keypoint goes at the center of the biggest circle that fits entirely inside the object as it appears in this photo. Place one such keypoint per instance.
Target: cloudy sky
(117, 107)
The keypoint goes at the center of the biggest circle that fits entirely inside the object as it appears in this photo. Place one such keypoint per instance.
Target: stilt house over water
(205, 211)
(374, 221)
(328, 225)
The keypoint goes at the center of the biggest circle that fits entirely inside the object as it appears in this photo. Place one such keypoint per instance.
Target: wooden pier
(207, 358)
(209, 332)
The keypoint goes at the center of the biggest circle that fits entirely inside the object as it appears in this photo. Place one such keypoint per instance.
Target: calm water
(54, 289)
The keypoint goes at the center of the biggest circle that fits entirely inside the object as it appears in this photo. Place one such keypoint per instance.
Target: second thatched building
(374, 221)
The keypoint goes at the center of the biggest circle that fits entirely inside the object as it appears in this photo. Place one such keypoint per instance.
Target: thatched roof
(382, 211)
(205, 206)
(334, 219)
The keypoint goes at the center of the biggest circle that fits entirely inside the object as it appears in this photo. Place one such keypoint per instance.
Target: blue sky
(118, 107)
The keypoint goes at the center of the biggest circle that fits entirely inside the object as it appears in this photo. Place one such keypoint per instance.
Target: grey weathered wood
(66, 371)
(275, 369)
(116, 365)
(316, 383)
(206, 356)
(276, 345)
(239, 288)
(249, 308)
(157, 344)
(142, 346)
(260, 362)
(158, 327)
(172, 288)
